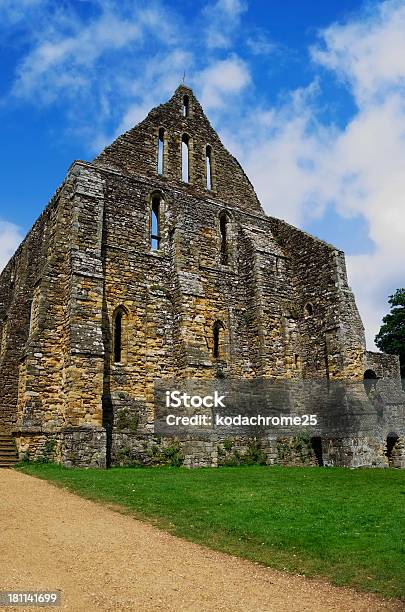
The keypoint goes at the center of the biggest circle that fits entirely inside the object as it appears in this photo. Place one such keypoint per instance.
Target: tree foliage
(391, 337)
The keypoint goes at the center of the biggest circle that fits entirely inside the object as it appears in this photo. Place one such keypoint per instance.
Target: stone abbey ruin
(156, 261)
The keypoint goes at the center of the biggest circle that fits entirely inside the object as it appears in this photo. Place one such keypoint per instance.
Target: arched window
(186, 105)
(370, 380)
(160, 151)
(208, 166)
(217, 328)
(155, 223)
(185, 158)
(118, 320)
(223, 221)
(308, 310)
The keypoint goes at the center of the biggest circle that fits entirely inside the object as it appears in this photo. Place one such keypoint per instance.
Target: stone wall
(19, 285)
(135, 153)
(277, 298)
(131, 449)
(329, 323)
(384, 366)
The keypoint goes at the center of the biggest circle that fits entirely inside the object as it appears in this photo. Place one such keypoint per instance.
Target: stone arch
(308, 309)
(224, 212)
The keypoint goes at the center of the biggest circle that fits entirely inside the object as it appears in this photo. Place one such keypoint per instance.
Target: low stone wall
(72, 447)
(355, 452)
(38, 446)
(129, 448)
(132, 449)
(84, 446)
(384, 365)
(87, 447)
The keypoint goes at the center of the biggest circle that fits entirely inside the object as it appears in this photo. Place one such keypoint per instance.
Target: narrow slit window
(161, 150)
(155, 224)
(217, 327)
(31, 317)
(224, 239)
(34, 310)
(208, 166)
(4, 330)
(118, 337)
(186, 106)
(185, 141)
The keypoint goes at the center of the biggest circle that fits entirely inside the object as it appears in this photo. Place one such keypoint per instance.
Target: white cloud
(13, 11)
(91, 55)
(10, 238)
(299, 165)
(123, 60)
(161, 75)
(223, 20)
(260, 44)
(221, 80)
(62, 62)
(112, 62)
(368, 52)
(370, 55)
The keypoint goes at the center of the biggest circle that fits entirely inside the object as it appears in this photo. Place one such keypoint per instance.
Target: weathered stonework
(278, 296)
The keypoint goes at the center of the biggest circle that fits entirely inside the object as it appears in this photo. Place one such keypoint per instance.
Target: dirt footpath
(102, 560)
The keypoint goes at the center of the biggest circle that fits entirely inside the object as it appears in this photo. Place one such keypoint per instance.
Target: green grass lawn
(346, 525)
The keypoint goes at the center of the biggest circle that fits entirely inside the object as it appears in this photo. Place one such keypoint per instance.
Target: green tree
(391, 337)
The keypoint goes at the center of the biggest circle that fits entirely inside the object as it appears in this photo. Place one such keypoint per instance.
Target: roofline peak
(182, 87)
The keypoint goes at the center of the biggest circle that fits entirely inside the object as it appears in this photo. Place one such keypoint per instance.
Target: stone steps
(8, 451)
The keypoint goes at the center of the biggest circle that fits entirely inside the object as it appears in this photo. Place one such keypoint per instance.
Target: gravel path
(103, 560)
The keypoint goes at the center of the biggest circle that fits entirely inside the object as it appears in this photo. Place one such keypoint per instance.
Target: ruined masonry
(154, 261)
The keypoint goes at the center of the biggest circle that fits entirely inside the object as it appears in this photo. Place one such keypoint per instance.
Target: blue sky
(308, 95)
